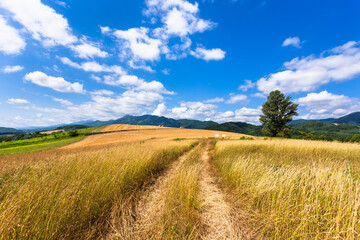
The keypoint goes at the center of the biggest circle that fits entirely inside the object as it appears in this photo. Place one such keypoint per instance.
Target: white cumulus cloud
(41, 21)
(141, 45)
(208, 54)
(306, 74)
(326, 105)
(160, 110)
(292, 41)
(56, 83)
(10, 41)
(87, 50)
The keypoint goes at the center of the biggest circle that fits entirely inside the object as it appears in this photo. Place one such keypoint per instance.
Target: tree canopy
(278, 110)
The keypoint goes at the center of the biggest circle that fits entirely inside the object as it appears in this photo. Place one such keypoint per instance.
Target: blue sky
(66, 61)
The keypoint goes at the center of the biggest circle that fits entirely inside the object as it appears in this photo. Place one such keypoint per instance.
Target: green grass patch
(39, 145)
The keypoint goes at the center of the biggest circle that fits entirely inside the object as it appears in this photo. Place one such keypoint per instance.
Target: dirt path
(215, 212)
(148, 207)
(216, 217)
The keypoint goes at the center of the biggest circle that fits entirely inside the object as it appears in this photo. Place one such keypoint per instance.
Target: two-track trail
(215, 212)
(138, 223)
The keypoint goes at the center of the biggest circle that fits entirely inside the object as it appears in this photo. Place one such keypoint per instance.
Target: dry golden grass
(175, 211)
(52, 131)
(119, 127)
(290, 189)
(72, 195)
(281, 189)
(146, 134)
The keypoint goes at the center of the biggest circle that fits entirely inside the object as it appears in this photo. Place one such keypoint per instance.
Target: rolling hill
(237, 127)
(5, 130)
(333, 130)
(352, 119)
(152, 120)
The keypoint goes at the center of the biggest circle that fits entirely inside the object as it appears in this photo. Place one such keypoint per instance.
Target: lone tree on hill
(278, 110)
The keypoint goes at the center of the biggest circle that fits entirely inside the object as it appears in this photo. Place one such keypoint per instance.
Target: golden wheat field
(167, 183)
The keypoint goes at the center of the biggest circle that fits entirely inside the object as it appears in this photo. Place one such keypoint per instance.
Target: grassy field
(50, 141)
(72, 196)
(179, 218)
(146, 184)
(290, 189)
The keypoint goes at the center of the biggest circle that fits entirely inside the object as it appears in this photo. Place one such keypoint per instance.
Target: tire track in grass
(216, 211)
(148, 207)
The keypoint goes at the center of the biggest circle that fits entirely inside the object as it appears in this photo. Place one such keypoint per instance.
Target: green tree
(73, 133)
(355, 138)
(278, 110)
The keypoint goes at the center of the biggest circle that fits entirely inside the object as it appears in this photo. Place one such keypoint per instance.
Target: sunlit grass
(33, 146)
(294, 189)
(180, 216)
(71, 196)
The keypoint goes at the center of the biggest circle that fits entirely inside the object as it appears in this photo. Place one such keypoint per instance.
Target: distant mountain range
(337, 128)
(128, 119)
(5, 130)
(324, 127)
(352, 119)
(152, 120)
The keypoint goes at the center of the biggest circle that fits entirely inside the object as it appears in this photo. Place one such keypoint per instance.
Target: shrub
(355, 138)
(73, 133)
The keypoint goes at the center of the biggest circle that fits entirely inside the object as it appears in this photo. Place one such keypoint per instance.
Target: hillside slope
(237, 127)
(352, 118)
(5, 130)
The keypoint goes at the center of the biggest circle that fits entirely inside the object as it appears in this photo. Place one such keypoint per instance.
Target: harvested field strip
(72, 196)
(294, 189)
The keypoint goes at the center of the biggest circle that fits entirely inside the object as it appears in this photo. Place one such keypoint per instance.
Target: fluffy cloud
(11, 69)
(193, 110)
(41, 21)
(10, 40)
(198, 110)
(249, 115)
(292, 41)
(93, 66)
(109, 107)
(180, 17)
(44, 25)
(118, 77)
(178, 20)
(236, 98)
(17, 101)
(208, 54)
(160, 109)
(326, 105)
(56, 83)
(141, 45)
(308, 73)
(87, 50)
(100, 107)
